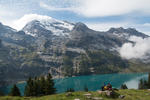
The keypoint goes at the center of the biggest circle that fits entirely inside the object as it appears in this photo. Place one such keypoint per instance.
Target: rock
(69, 94)
(100, 92)
(97, 98)
(76, 99)
(112, 94)
(88, 95)
(108, 93)
(121, 96)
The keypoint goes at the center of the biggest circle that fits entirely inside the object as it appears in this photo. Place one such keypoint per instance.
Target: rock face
(62, 48)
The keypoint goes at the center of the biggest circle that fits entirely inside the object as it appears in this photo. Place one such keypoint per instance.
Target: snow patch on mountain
(57, 27)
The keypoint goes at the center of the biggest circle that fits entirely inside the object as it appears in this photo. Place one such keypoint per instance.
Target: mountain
(48, 27)
(64, 49)
(14, 38)
(126, 33)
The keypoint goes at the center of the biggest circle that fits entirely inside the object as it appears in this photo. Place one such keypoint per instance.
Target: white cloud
(137, 50)
(20, 23)
(100, 8)
(52, 8)
(96, 8)
(5, 15)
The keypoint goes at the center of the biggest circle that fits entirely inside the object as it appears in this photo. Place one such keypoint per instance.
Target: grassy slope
(129, 95)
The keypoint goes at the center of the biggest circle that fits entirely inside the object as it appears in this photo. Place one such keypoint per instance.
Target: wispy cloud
(101, 8)
(53, 8)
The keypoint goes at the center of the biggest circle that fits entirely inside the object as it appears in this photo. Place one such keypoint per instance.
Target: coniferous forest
(37, 86)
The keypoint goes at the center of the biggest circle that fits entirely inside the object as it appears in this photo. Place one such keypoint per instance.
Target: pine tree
(85, 88)
(70, 90)
(36, 88)
(15, 91)
(29, 89)
(49, 85)
(123, 86)
(1, 93)
(42, 85)
(148, 81)
(141, 84)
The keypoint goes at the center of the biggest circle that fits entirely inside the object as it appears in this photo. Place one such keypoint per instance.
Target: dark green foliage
(49, 85)
(29, 89)
(40, 86)
(148, 81)
(144, 84)
(1, 93)
(70, 90)
(123, 86)
(86, 88)
(15, 91)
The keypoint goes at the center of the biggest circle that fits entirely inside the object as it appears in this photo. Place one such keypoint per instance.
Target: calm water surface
(93, 82)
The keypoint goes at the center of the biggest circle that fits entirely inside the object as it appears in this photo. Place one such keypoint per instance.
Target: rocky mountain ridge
(62, 48)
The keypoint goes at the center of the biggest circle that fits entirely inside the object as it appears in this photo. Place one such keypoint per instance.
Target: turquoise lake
(93, 82)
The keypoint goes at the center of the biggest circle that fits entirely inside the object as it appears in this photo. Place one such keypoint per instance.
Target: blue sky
(97, 14)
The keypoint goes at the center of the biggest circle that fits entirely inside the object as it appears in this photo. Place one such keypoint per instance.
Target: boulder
(69, 94)
(97, 98)
(121, 96)
(76, 99)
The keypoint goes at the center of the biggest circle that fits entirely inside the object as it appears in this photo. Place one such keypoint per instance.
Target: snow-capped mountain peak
(48, 24)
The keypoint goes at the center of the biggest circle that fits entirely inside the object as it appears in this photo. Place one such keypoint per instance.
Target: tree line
(145, 84)
(36, 87)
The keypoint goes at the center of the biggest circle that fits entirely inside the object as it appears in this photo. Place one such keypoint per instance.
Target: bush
(123, 86)
(15, 91)
(70, 90)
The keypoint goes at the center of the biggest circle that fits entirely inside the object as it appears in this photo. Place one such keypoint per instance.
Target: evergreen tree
(140, 84)
(29, 89)
(70, 90)
(42, 85)
(1, 93)
(85, 88)
(148, 81)
(15, 91)
(36, 87)
(39, 87)
(49, 85)
(123, 86)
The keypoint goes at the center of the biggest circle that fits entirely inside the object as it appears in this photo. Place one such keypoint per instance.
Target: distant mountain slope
(64, 49)
(126, 33)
